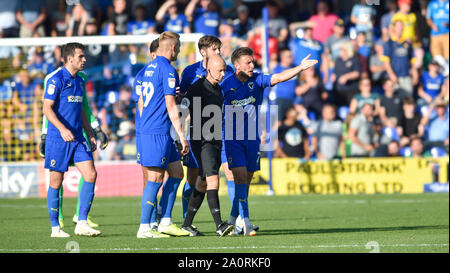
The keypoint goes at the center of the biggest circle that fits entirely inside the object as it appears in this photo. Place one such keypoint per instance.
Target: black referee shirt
(209, 94)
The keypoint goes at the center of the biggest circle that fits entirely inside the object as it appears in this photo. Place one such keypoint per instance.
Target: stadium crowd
(380, 89)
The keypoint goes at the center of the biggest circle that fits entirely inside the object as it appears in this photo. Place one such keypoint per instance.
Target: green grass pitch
(311, 223)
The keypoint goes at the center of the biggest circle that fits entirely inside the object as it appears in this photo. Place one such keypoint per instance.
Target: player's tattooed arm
(66, 134)
(290, 73)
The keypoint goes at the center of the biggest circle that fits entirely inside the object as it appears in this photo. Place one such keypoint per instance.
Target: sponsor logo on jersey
(77, 99)
(243, 102)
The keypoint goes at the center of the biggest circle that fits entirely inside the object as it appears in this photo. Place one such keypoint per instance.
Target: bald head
(215, 66)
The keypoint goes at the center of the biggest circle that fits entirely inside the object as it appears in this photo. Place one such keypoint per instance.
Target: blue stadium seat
(343, 112)
(437, 152)
(405, 152)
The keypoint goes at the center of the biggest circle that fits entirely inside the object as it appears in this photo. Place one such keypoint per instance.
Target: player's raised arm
(290, 73)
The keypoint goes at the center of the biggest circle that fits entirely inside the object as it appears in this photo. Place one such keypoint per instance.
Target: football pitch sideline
(301, 224)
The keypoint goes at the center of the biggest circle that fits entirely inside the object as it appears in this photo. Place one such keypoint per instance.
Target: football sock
(60, 212)
(153, 218)
(187, 191)
(234, 202)
(53, 204)
(169, 194)
(242, 199)
(195, 201)
(86, 198)
(80, 185)
(230, 184)
(214, 206)
(148, 201)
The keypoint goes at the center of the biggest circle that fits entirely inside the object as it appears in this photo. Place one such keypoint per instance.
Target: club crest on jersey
(51, 89)
(250, 84)
(230, 160)
(52, 163)
(163, 160)
(138, 156)
(171, 82)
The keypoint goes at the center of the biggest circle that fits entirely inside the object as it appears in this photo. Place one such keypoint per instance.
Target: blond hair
(167, 39)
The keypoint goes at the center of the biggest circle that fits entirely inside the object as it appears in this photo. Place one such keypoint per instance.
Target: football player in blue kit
(158, 112)
(65, 143)
(243, 92)
(208, 46)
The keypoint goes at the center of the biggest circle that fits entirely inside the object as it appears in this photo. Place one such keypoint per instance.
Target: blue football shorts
(59, 155)
(243, 153)
(158, 151)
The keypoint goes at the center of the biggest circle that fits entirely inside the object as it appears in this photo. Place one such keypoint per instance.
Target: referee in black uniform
(206, 147)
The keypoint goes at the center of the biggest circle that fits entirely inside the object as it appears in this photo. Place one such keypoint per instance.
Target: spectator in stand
(393, 149)
(363, 51)
(292, 137)
(410, 32)
(365, 97)
(77, 21)
(361, 132)
(126, 146)
(386, 19)
(363, 16)
(437, 121)
(31, 15)
(60, 20)
(278, 27)
(377, 65)
(206, 18)
(285, 91)
(432, 85)
(37, 66)
(243, 23)
(346, 74)
(416, 147)
(333, 43)
(8, 24)
(390, 102)
(327, 137)
(256, 44)
(118, 24)
(311, 93)
(322, 22)
(171, 19)
(438, 20)
(302, 47)
(229, 8)
(399, 55)
(140, 25)
(412, 123)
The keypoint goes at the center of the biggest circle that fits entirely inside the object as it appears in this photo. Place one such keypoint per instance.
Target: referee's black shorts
(208, 156)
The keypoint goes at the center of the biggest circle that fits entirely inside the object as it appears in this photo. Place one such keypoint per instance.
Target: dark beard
(242, 76)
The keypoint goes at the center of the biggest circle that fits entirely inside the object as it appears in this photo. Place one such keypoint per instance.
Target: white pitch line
(223, 248)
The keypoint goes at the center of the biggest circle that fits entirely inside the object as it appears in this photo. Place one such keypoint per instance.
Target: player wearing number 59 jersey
(158, 112)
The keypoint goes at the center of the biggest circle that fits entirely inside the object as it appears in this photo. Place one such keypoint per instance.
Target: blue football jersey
(243, 94)
(196, 71)
(158, 80)
(67, 93)
(432, 86)
(176, 25)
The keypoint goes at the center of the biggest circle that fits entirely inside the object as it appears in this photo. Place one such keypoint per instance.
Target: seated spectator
(438, 20)
(311, 92)
(437, 121)
(31, 15)
(278, 27)
(386, 19)
(412, 123)
(206, 18)
(416, 147)
(302, 47)
(292, 137)
(361, 133)
(37, 66)
(399, 57)
(229, 8)
(126, 146)
(363, 16)
(333, 43)
(377, 65)
(390, 102)
(8, 24)
(327, 137)
(118, 24)
(140, 25)
(285, 92)
(77, 21)
(393, 149)
(172, 20)
(243, 23)
(363, 51)
(345, 77)
(365, 96)
(432, 85)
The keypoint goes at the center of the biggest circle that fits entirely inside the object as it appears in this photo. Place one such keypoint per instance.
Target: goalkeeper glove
(42, 145)
(102, 137)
